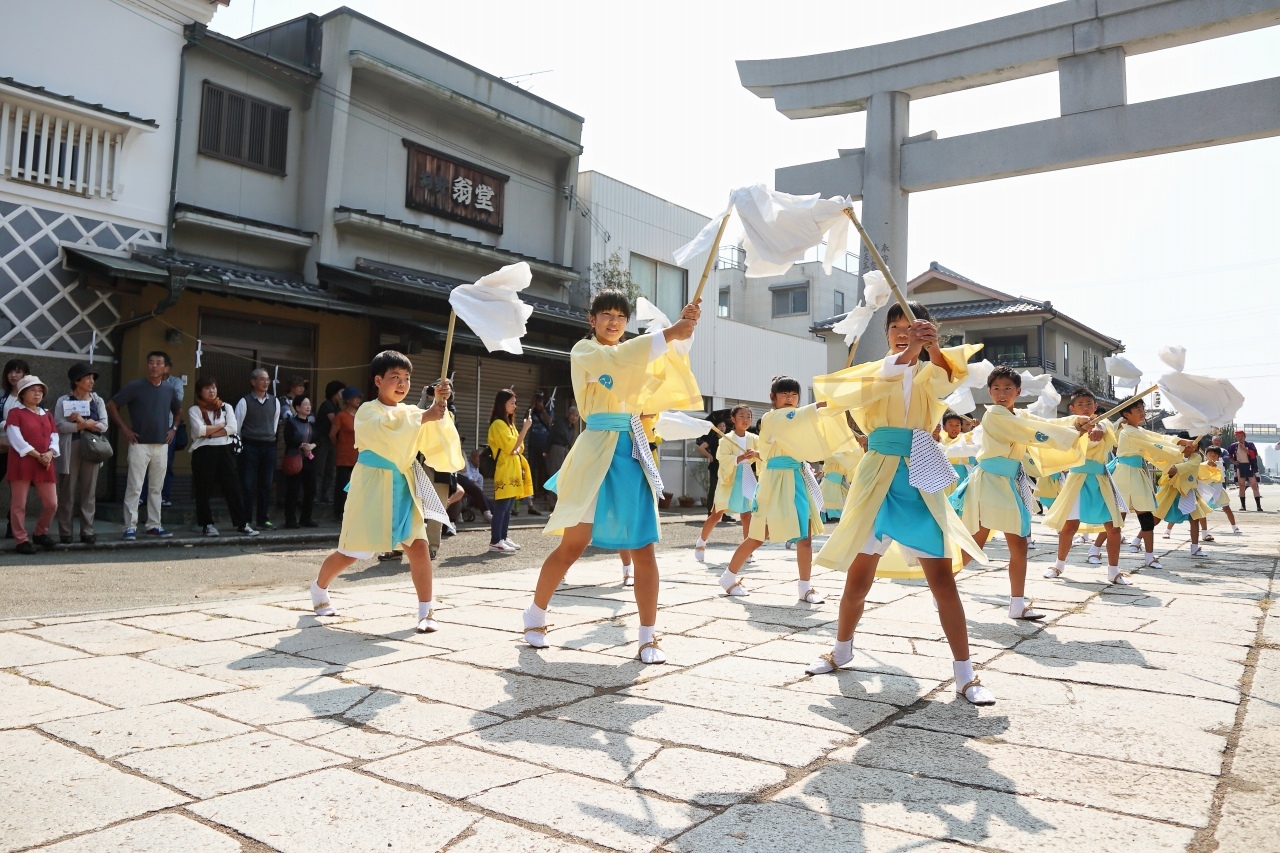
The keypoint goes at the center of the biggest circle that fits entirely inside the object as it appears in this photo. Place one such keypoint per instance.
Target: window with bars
(244, 130)
(59, 150)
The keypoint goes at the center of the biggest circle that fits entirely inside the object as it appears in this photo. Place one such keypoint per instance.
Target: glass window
(644, 273)
(722, 307)
(671, 287)
(1066, 358)
(1007, 350)
(839, 301)
(793, 300)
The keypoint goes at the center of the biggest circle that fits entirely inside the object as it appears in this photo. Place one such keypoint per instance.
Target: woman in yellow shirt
(898, 401)
(609, 484)
(512, 479)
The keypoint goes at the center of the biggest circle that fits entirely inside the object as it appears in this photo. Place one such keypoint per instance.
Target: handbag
(292, 465)
(94, 447)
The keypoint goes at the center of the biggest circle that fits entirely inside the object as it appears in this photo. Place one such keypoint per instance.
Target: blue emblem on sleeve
(606, 381)
(1041, 437)
(791, 414)
(1159, 447)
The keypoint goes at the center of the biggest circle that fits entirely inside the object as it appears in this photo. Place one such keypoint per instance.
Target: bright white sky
(1177, 249)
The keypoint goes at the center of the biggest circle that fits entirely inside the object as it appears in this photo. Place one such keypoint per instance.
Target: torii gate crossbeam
(1086, 41)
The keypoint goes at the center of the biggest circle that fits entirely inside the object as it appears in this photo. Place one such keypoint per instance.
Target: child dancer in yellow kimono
(1179, 499)
(1136, 446)
(736, 452)
(788, 502)
(997, 493)
(1212, 487)
(384, 509)
(898, 401)
(609, 482)
(1088, 494)
(955, 443)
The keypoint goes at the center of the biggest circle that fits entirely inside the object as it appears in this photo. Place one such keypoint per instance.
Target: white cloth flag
(678, 426)
(651, 319)
(1200, 403)
(961, 401)
(875, 295)
(780, 229)
(1125, 373)
(979, 372)
(492, 310)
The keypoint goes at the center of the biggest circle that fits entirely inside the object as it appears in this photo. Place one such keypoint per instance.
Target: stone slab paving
(1145, 718)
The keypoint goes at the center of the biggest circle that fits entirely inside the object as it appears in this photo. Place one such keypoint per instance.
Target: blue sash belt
(890, 441)
(1131, 461)
(837, 479)
(609, 421)
(1090, 467)
(783, 463)
(1000, 465)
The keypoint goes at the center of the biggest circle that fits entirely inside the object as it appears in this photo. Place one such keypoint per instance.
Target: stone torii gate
(1085, 41)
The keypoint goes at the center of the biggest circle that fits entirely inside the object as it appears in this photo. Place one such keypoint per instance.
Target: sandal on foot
(658, 655)
(1028, 614)
(812, 597)
(537, 636)
(737, 590)
(325, 608)
(1121, 579)
(1206, 538)
(976, 694)
(427, 625)
(824, 664)
(628, 579)
(700, 554)
(1052, 572)
(1197, 551)
(1153, 563)
(1094, 560)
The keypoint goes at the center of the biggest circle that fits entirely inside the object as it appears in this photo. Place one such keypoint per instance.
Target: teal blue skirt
(626, 515)
(904, 517)
(737, 501)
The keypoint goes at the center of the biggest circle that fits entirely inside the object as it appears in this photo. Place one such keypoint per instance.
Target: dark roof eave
(199, 33)
(97, 108)
(242, 220)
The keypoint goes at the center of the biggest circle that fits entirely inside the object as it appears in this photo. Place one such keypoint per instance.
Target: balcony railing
(1024, 362)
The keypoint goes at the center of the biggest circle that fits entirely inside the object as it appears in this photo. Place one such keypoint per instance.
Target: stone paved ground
(1143, 718)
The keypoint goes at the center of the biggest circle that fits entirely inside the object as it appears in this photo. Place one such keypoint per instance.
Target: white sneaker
(248, 531)
(512, 545)
(501, 548)
(210, 530)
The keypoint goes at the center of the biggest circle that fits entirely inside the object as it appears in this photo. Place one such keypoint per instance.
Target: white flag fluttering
(1200, 403)
(875, 295)
(979, 372)
(780, 229)
(679, 426)
(651, 319)
(1040, 387)
(1125, 373)
(493, 310)
(961, 401)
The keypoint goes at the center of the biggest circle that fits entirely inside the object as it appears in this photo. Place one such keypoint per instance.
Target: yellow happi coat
(875, 399)
(614, 379)
(837, 473)
(1134, 484)
(398, 435)
(512, 477)
(800, 434)
(961, 451)
(1185, 479)
(988, 500)
(731, 446)
(1064, 506)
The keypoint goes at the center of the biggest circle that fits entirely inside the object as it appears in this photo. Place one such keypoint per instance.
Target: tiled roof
(515, 256)
(242, 220)
(217, 272)
(443, 285)
(962, 311)
(99, 108)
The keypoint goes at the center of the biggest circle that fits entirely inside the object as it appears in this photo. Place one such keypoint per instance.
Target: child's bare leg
(419, 554)
(709, 525)
(981, 538)
(857, 583)
(804, 561)
(1231, 516)
(746, 524)
(572, 543)
(1065, 536)
(942, 583)
(646, 563)
(1019, 607)
(332, 566)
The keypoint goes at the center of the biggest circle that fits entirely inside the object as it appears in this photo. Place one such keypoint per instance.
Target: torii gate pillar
(1085, 41)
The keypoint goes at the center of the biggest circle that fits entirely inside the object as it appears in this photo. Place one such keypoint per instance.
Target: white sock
(319, 596)
(650, 655)
(963, 670)
(425, 607)
(803, 588)
(842, 651)
(1016, 606)
(701, 543)
(728, 579)
(534, 616)
(1112, 571)
(1060, 565)
(1094, 551)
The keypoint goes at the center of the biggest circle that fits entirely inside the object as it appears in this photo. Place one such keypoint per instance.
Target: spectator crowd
(251, 453)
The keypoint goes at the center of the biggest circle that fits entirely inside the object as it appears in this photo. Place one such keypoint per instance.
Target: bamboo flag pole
(1125, 404)
(884, 268)
(848, 362)
(448, 345)
(711, 260)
